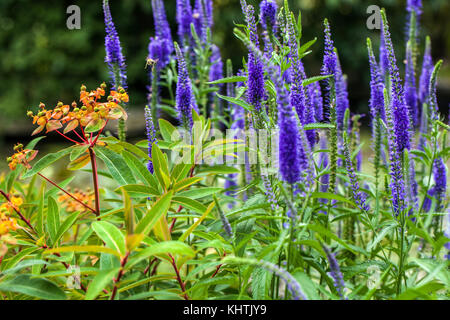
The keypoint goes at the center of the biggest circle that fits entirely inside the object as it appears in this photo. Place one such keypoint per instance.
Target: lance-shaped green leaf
(70, 220)
(47, 160)
(53, 222)
(111, 235)
(38, 288)
(158, 209)
(116, 165)
(101, 280)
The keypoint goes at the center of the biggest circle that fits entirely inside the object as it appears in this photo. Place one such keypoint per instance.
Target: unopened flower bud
(41, 105)
(110, 98)
(84, 108)
(9, 159)
(30, 113)
(83, 88)
(76, 110)
(60, 104)
(103, 85)
(96, 109)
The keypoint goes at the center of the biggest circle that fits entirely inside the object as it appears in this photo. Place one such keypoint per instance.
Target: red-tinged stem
(79, 136)
(62, 134)
(70, 195)
(18, 212)
(119, 275)
(180, 282)
(99, 133)
(95, 178)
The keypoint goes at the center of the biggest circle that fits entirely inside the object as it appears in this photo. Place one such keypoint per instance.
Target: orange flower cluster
(92, 115)
(7, 223)
(72, 205)
(22, 156)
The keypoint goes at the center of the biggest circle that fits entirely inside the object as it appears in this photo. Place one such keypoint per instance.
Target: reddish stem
(79, 136)
(18, 212)
(70, 195)
(180, 282)
(62, 134)
(119, 275)
(95, 178)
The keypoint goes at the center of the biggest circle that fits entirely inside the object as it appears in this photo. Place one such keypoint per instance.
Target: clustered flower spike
(268, 15)
(400, 111)
(185, 100)
(384, 60)
(440, 178)
(342, 103)
(416, 7)
(397, 184)
(427, 70)
(410, 88)
(200, 19)
(216, 70)
(292, 284)
(159, 52)
(358, 196)
(114, 57)
(162, 28)
(255, 81)
(184, 19)
(328, 67)
(151, 135)
(376, 87)
(315, 98)
(335, 271)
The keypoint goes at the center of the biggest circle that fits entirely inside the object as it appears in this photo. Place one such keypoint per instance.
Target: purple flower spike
(184, 19)
(427, 70)
(358, 196)
(410, 88)
(440, 178)
(216, 70)
(328, 67)
(255, 82)
(114, 57)
(315, 98)
(185, 100)
(376, 87)
(384, 60)
(159, 51)
(398, 105)
(268, 14)
(342, 103)
(162, 28)
(151, 135)
(335, 271)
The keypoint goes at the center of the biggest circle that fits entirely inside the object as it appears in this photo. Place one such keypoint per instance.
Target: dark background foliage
(41, 60)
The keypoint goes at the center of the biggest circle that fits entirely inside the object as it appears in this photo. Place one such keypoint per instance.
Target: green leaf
(172, 247)
(77, 151)
(218, 169)
(116, 165)
(198, 193)
(38, 288)
(111, 235)
(45, 161)
(34, 142)
(96, 249)
(229, 80)
(70, 220)
(314, 79)
(140, 169)
(236, 101)
(186, 234)
(160, 166)
(158, 209)
(190, 204)
(167, 130)
(140, 189)
(326, 195)
(312, 126)
(53, 222)
(101, 280)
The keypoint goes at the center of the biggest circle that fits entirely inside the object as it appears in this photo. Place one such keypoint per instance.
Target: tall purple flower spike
(384, 60)
(255, 82)
(342, 103)
(184, 20)
(402, 125)
(440, 178)
(376, 87)
(315, 98)
(185, 100)
(328, 68)
(159, 51)
(114, 57)
(162, 28)
(298, 97)
(268, 14)
(335, 271)
(427, 70)
(410, 88)
(151, 135)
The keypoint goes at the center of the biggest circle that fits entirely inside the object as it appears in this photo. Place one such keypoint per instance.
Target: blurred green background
(42, 60)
